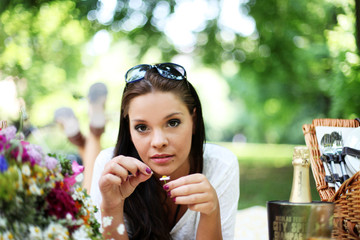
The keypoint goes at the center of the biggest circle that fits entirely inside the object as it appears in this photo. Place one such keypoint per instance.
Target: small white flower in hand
(164, 178)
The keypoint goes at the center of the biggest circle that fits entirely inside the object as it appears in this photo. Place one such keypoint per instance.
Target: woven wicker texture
(347, 209)
(347, 198)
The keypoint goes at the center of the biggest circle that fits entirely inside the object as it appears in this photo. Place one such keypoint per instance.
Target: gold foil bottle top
(300, 191)
(301, 155)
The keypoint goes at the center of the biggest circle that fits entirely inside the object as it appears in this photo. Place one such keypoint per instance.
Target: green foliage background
(301, 62)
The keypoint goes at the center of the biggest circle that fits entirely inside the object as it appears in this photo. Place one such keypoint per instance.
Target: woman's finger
(121, 176)
(132, 165)
(189, 179)
(190, 199)
(110, 179)
(128, 163)
(125, 166)
(188, 189)
(202, 202)
(113, 168)
(188, 185)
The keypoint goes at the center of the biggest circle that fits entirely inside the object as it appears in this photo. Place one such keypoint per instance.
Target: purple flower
(22, 148)
(3, 143)
(3, 164)
(50, 162)
(34, 152)
(9, 132)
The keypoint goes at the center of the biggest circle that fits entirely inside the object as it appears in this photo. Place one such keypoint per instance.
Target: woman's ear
(193, 115)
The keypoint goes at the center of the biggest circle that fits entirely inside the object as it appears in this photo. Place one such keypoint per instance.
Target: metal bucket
(288, 221)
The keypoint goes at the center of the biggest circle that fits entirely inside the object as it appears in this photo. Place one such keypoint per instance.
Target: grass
(266, 173)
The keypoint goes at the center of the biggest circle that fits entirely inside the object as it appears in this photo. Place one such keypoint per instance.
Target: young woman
(162, 134)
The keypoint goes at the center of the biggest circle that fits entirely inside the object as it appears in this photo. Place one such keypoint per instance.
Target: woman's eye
(173, 122)
(141, 128)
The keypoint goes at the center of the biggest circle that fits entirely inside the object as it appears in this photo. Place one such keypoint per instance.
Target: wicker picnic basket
(347, 198)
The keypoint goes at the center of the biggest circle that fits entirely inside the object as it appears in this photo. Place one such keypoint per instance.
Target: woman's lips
(161, 158)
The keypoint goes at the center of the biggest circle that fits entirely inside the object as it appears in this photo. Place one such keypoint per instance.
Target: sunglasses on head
(167, 70)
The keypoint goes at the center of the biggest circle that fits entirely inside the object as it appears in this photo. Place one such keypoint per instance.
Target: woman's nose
(159, 139)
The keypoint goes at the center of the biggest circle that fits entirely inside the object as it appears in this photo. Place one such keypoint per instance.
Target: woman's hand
(119, 179)
(195, 191)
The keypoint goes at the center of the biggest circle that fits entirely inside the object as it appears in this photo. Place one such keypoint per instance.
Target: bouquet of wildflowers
(40, 197)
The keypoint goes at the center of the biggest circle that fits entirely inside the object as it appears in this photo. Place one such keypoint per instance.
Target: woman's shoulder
(104, 156)
(219, 164)
(216, 156)
(215, 151)
(107, 152)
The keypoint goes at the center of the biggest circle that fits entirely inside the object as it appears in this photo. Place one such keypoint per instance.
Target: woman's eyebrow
(173, 114)
(139, 120)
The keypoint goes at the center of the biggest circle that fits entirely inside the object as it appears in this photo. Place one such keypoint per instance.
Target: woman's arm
(210, 226)
(116, 184)
(113, 224)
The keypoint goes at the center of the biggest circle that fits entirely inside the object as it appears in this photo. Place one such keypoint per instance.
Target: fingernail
(166, 187)
(169, 193)
(148, 170)
(174, 199)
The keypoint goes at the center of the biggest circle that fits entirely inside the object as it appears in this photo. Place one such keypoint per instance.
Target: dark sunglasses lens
(171, 71)
(136, 73)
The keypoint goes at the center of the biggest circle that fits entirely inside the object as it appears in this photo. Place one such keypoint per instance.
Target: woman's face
(161, 129)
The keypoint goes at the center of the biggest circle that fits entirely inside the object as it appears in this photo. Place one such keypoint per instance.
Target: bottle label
(287, 221)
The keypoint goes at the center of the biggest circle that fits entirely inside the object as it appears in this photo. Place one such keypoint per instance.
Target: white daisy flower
(25, 169)
(34, 189)
(79, 177)
(69, 217)
(56, 230)
(35, 233)
(164, 178)
(80, 234)
(7, 235)
(2, 222)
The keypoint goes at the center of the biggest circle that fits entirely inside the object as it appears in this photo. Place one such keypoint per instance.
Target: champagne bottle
(300, 191)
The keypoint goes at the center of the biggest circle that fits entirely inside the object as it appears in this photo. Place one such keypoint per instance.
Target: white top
(221, 169)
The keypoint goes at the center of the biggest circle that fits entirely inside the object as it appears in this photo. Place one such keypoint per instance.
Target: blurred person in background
(90, 146)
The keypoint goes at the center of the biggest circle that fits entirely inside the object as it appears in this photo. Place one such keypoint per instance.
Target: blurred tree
(300, 62)
(41, 43)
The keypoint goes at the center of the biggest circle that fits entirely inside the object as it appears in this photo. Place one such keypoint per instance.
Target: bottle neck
(300, 191)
